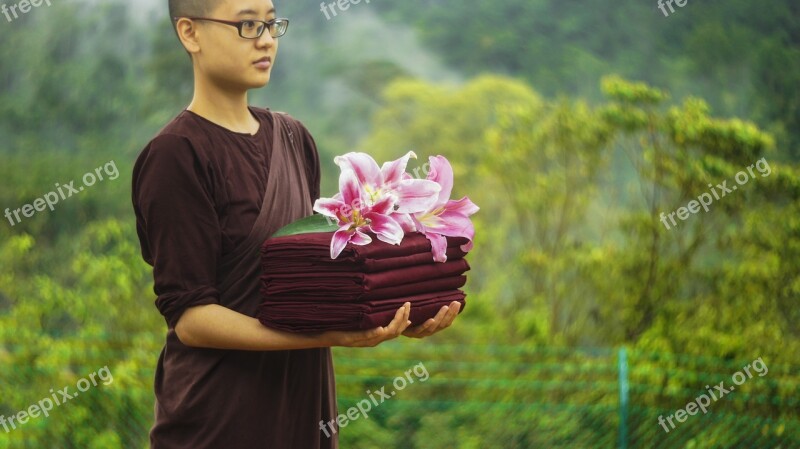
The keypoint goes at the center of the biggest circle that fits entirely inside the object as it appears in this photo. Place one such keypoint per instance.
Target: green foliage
(68, 321)
(740, 55)
(481, 395)
(570, 250)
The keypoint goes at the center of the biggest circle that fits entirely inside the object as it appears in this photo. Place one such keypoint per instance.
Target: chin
(260, 81)
(260, 85)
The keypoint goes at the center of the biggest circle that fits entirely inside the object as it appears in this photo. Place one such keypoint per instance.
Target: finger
(364, 338)
(380, 335)
(448, 319)
(443, 319)
(411, 335)
(405, 322)
(418, 331)
(455, 307)
(400, 321)
(425, 329)
(433, 325)
(399, 318)
(377, 335)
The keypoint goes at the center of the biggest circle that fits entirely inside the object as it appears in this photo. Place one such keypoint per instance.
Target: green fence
(428, 396)
(513, 397)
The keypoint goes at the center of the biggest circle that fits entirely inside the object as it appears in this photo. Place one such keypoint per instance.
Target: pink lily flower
(408, 195)
(354, 215)
(445, 217)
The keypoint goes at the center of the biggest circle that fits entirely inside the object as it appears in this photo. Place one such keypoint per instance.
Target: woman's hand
(372, 337)
(441, 321)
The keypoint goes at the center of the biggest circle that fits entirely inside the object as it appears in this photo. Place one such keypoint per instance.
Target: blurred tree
(571, 201)
(570, 249)
(739, 55)
(75, 316)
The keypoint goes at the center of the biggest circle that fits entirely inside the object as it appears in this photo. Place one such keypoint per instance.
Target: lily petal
(441, 172)
(339, 241)
(363, 165)
(393, 171)
(416, 195)
(452, 224)
(350, 189)
(360, 238)
(405, 222)
(385, 227)
(428, 222)
(438, 246)
(328, 207)
(417, 224)
(385, 205)
(464, 206)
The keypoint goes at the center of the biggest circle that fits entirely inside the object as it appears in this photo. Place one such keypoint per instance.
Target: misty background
(573, 125)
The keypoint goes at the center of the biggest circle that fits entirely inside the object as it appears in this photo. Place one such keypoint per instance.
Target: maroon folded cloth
(409, 289)
(313, 249)
(420, 313)
(304, 290)
(276, 263)
(353, 283)
(297, 316)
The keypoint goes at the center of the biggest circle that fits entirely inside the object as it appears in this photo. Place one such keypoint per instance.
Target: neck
(225, 107)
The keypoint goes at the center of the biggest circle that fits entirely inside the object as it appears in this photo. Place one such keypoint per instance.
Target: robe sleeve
(177, 224)
(313, 170)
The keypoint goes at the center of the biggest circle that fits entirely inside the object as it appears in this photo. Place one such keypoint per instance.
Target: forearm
(215, 326)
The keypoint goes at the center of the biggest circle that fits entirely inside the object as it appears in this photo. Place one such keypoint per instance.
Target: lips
(263, 63)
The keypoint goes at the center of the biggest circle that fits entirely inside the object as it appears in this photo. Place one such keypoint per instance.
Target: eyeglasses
(251, 29)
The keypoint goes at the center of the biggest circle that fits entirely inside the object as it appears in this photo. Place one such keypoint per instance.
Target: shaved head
(187, 8)
(183, 14)
(210, 31)
(190, 8)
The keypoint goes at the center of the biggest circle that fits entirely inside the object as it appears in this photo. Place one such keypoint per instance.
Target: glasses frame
(266, 24)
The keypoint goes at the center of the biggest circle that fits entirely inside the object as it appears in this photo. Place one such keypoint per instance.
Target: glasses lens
(278, 27)
(252, 29)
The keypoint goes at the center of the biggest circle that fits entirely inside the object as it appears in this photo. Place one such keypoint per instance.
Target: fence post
(622, 366)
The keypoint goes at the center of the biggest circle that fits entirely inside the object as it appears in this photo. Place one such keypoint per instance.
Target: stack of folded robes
(304, 290)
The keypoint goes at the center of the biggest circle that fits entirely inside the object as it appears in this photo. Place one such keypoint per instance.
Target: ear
(188, 34)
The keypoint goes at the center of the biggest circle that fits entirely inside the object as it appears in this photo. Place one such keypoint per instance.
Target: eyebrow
(251, 12)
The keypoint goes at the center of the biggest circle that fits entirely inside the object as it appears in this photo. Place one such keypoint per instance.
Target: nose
(265, 40)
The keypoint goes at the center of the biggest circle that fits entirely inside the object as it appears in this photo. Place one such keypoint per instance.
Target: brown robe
(209, 398)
